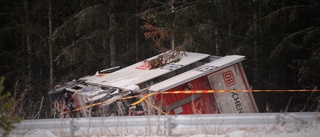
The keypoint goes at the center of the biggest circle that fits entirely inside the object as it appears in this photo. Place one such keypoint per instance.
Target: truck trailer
(142, 88)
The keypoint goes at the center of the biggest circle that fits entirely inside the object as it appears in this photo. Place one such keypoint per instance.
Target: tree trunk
(216, 33)
(112, 41)
(256, 46)
(137, 42)
(30, 63)
(50, 45)
(29, 49)
(173, 25)
(137, 33)
(105, 50)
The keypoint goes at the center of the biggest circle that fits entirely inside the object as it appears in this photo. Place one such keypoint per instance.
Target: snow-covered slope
(216, 125)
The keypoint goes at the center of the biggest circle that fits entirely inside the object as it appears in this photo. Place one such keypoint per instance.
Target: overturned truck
(159, 85)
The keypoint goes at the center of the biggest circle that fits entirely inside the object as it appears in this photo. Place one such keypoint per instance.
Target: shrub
(7, 118)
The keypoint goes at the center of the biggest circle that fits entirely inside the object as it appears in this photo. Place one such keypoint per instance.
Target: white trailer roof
(196, 73)
(131, 76)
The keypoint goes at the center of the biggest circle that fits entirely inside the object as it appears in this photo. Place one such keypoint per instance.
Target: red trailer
(113, 94)
(225, 73)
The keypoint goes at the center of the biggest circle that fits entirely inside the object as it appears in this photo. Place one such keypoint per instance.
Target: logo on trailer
(228, 78)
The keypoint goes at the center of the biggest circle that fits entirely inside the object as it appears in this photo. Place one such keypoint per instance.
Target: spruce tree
(7, 119)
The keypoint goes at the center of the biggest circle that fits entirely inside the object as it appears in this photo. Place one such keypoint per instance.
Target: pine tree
(7, 119)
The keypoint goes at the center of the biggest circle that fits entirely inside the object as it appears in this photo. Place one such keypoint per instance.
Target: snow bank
(280, 130)
(276, 130)
(39, 133)
(287, 126)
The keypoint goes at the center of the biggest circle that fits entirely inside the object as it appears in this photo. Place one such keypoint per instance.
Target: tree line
(44, 43)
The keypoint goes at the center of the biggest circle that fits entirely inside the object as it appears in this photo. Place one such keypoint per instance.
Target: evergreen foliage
(7, 118)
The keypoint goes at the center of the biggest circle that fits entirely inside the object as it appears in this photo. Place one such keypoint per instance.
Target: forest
(44, 43)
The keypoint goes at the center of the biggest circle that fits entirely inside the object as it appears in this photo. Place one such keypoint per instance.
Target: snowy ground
(312, 130)
(294, 128)
(280, 132)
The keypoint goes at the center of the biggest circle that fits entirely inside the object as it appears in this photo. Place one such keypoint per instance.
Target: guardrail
(163, 124)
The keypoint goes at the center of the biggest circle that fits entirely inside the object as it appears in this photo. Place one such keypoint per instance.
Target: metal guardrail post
(169, 127)
(71, 128)
(278, 119)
